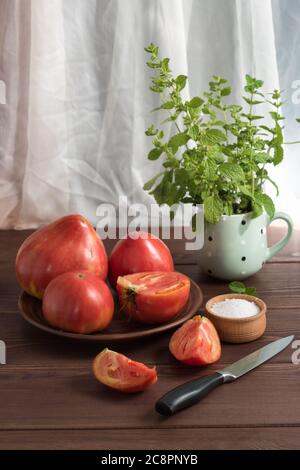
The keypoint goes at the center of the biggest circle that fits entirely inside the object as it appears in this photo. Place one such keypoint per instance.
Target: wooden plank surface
(50, 399)
(149, 439)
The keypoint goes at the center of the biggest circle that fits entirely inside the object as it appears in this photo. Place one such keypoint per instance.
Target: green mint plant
(220, 153)
(239, 288)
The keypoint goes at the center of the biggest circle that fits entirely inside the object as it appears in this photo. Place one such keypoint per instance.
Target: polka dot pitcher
(236, 247)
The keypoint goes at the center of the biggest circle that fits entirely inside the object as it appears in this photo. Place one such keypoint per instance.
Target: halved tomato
(196, 342)
(121, 373)
(153, 297)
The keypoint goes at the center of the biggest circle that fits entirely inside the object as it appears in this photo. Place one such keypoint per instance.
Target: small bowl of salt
(238, 318)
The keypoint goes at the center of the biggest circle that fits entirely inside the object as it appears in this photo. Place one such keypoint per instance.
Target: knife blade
(192, 392)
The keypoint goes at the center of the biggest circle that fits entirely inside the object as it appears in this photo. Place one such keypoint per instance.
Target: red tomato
(68, 244)
(79, 302)
(121, 373)
(144, 252)
(196, 342)
(153, 297)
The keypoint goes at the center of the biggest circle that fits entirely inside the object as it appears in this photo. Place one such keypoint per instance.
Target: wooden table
(49, 398)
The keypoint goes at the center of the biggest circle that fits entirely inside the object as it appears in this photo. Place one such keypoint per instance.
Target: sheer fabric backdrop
(77, 97)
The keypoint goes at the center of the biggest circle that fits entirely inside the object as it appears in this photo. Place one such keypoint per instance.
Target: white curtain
(74, 96)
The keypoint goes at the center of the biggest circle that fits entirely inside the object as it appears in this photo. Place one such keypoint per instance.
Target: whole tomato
(196, 342)
(68, 244)
(79, 302)
(153, 297)
(139, 252)
(121, 373)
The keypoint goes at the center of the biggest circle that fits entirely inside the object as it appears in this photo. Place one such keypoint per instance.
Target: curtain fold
(78, 99)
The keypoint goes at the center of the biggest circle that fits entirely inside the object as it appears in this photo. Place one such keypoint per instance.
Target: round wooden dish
(120, 328)
(238, 330)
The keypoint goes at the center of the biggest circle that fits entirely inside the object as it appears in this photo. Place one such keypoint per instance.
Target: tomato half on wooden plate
(196, 342)
(121, 373)
(153, 297)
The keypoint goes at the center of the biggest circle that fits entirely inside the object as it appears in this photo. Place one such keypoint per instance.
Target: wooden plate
(120, 328)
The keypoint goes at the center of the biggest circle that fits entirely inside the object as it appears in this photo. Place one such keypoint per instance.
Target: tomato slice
(153, 297)
(196, 342)
(121, 373)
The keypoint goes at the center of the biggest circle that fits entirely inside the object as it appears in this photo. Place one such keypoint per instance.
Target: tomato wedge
(153, 297)
(196, 342)
(121, 373)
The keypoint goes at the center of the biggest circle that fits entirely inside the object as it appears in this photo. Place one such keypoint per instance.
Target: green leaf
(215, 136)
(226, 91)
(267, 128)
(180, 82)
(246, 191)
(251, 291)
(155, 153)
(206, 109)
(165, 190)
(213, 209)
(210, 170)
(279, 134)
(257, 210)
(237, 286)
(181, 177)
(193, 132)
(165, 65)
(278, 148)
(298, 119)
(235, 109)
(153, 65)
(251, 102)
(251, 117)
(261, 157)
(240, 288)
(152, 48)
(219, 80)
(195, 102)
(276, 116)
(265, 201)
(278, 154)
(167, 105)
(150, 183)
(171, 163)
(151, 131)
(255, 118)
(233, 171)
(177, 141)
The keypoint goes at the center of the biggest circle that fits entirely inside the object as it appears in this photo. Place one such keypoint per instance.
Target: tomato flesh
(153, 297)
(121, 373)
(196, 342)
(139, 252)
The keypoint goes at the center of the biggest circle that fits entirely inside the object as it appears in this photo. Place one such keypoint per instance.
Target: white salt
(235, 308)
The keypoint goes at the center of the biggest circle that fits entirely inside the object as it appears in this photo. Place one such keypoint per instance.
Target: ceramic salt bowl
(238, 330)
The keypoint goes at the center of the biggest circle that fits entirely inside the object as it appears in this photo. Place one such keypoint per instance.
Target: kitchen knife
(191, 392)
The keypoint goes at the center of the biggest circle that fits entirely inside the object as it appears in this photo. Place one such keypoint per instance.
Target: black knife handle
(187, 394)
